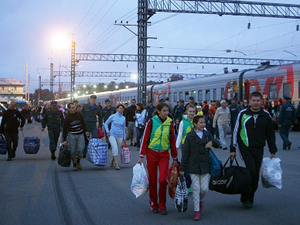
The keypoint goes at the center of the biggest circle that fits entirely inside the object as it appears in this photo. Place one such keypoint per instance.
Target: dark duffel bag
(64, 157)
(3, 145)
(31, 145)
(234, 180)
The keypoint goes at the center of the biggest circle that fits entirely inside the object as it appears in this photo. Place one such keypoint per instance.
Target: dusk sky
(29, 26)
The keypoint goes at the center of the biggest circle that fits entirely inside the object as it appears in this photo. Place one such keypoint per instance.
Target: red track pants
(160, 160)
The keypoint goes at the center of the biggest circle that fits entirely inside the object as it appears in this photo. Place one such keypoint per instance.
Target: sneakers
(75, 167)
(190, 190)
(163, 212)
(9, 158)
(201, 206)
(196, 215)
(154, 211)
(247, 204)
(78, 165)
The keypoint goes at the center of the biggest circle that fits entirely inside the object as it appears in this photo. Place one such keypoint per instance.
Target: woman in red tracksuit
(158, 139)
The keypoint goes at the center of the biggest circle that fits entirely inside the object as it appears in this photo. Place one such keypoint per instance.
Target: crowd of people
(154, 130)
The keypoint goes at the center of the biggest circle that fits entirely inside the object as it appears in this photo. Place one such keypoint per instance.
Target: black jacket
(195, 156)
(130, 113)
(11, 121)
(252, 129)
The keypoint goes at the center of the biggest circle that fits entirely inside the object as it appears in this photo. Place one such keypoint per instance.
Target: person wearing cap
(90, 112)
(54, 120)
(179, 110)
(222, 120)
(107, 111)
(150, 109)
(191, 101)
(286, 120)
(9, 127)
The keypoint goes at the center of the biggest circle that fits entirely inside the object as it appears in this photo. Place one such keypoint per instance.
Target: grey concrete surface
(36, 190)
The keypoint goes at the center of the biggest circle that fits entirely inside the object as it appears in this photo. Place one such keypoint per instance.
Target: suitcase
(31, 145)
(125, 155)
(3, 146)
(97, 152)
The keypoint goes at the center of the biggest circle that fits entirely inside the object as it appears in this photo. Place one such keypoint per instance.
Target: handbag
(181, 195)
(141, 126)
(125, 154)
(97, 152)
(234, 180)
(3, 145)
(215, 165)
(64, 157)
(100, 133)
(172, 179)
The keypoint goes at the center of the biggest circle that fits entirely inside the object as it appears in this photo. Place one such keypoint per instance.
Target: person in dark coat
(9, 127)
(195, 159)
(234, 112)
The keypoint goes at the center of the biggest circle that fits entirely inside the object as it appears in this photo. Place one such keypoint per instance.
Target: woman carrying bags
(116, 134)
(158, 138)
(185, 126)
(195, 160)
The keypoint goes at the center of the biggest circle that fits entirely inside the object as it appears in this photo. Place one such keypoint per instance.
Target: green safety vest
(187, 127)
(160, 134)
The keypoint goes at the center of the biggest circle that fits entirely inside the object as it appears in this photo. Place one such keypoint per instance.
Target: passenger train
(272, 81)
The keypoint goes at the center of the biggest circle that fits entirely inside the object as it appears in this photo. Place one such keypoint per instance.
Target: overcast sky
(28, 27)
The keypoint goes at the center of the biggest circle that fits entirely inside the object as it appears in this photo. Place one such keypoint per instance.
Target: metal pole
(25, 81)
(59, 86)
(51, 80)
(28, 94)
(39, 92)
(73, 63)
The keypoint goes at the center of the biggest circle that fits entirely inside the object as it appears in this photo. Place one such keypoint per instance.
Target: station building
(11, 89)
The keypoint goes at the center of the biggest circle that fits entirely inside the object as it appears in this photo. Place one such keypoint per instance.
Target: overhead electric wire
(85, 15)
(123, 44)
(100, 20)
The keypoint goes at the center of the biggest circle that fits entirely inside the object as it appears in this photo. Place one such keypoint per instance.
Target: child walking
(158, 138)
(195, 160)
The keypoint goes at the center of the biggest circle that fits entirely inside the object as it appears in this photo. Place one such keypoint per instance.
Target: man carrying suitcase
(252, 129)
(9, 127)
(54, 120)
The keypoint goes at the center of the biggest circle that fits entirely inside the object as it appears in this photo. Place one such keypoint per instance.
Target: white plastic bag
(140, 182)
(271, 173)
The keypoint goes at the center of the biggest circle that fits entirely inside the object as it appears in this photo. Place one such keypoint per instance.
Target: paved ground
(36, 190)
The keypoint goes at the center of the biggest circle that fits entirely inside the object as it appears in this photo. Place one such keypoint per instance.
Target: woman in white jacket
(185, 126)
(140, 122)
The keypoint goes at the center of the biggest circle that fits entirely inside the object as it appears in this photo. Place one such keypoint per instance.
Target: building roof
(10, 82)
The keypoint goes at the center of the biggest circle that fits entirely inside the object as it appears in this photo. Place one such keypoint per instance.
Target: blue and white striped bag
(97, 152)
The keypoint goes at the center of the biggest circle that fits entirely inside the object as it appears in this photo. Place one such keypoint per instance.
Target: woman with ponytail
(158, 138)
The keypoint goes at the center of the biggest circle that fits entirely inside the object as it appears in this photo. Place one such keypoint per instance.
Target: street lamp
(95, 86)
(127, 86)
(116, 86)
(84, 86)
(105, 86)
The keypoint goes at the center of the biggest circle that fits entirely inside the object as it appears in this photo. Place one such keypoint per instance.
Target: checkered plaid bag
(31, 145)
(97, 152)
(125, 155)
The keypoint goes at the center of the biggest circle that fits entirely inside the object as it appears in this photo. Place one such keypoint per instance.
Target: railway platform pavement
(36, 190)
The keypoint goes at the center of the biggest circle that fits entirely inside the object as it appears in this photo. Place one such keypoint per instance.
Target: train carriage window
(180, 95)
(200, 96)
(222, 93)
(287, 89)
(214, 94)
(272, 91)
(186, 96)
(207, 95)
(193, 93)
(175, 97)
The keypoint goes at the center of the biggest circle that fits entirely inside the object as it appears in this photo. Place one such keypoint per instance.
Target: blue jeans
(139, 134)
(284, 133)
